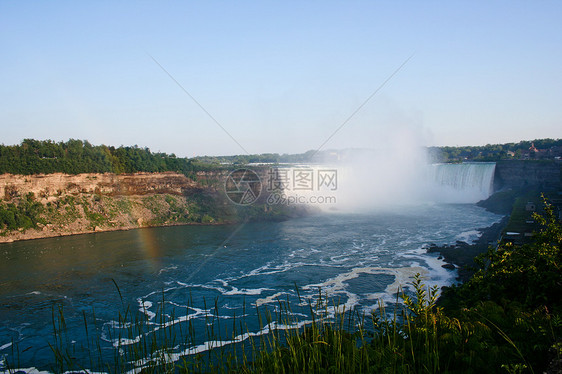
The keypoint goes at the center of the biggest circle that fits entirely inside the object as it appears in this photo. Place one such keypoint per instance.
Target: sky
(222, 77)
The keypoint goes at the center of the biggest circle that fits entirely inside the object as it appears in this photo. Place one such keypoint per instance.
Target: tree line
(493, 152)
(77, 156)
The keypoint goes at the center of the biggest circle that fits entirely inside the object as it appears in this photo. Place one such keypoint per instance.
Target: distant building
(530, 153)
(535, 153)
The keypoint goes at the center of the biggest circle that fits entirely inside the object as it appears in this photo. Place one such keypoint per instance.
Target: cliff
(38, 206)
(48, 186)
(527, 173)
(48, 205)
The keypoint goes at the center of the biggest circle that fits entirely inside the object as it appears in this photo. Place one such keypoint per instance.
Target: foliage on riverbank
(518, 291)
(30, 218)
(23, 214)
(71, 214)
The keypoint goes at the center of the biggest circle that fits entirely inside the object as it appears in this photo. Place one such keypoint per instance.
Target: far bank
(51, 205)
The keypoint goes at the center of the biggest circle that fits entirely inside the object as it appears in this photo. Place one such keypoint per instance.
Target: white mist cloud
(395, 171)
(386, 175)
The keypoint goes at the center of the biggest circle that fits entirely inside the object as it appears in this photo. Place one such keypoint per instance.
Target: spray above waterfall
(394, 171)
(371, 180)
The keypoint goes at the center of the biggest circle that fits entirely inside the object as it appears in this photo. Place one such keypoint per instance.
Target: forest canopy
(77, 156)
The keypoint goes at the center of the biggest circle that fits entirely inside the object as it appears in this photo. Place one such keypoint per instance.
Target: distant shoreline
(36, 234)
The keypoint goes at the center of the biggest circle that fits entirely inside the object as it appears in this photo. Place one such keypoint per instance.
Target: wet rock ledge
(461, 254)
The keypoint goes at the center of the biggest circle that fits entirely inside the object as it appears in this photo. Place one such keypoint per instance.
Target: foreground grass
(416, 336)
(335, 341)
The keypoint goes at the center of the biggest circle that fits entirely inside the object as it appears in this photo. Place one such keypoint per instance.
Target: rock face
(83, 203)
(50, 186)
(40, 206)
(523, 173)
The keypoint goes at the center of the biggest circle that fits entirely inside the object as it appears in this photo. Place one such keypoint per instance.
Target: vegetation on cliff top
(496, 152)
(77, 156)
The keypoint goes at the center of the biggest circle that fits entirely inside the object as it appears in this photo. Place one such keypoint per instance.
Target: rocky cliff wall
(39, 206)
(523, 173)
(50, 186)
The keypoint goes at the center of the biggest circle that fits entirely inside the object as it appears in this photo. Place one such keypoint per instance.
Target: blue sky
(280, 76)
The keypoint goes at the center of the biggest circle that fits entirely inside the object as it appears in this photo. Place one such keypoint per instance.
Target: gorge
(71, 204)
(362, 259)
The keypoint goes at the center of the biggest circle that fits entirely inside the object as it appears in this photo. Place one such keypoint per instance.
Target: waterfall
(377, 185)
(461, 183)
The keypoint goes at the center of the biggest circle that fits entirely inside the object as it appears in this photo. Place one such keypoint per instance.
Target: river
(357, 259)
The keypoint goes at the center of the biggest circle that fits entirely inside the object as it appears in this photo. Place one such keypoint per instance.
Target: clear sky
(279, 76)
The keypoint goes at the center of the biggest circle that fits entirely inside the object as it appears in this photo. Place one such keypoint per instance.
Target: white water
(460, 183)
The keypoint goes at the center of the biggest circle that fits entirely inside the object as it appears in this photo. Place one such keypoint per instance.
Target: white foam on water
(337, 285)
(233, 290)
(270, 299)
(128, 341)
(213, 344)
(468, 236)
(268, 270)
(436, 274)
(30, 370)
(33, 370)
(168, 268)
(176, 304)
(244, 291)
(339, 258)
(144, 307)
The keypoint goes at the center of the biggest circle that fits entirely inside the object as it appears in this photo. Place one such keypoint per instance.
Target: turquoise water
(356, 258)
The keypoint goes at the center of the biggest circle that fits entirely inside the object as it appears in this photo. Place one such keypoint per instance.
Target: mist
(395, 172)
(384, 176)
